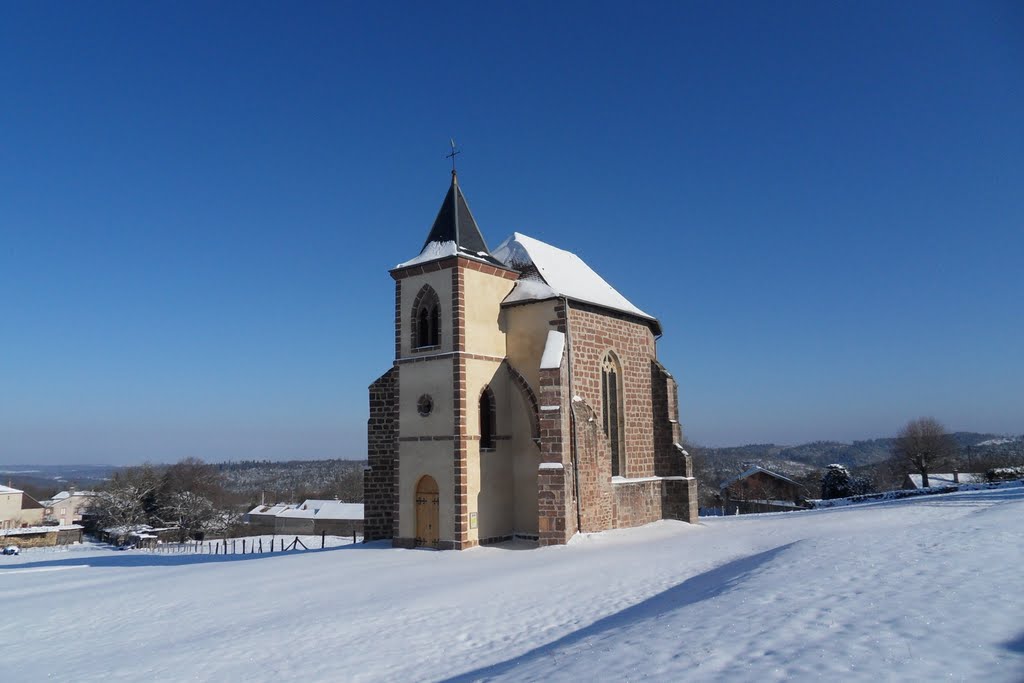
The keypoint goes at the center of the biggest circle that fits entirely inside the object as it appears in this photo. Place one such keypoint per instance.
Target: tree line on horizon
(827, 469)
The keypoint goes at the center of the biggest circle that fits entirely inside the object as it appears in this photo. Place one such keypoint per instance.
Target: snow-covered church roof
(552, 272)
(547, 271)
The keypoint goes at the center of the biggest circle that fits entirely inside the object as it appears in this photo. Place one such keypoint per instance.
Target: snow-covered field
(919, 589)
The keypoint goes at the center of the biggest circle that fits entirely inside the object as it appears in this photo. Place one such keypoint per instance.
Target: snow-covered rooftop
(336, 510)
(26, 530)
(755, 470)
(8, 489)
(312, 509)
(946, 479)
(275, 509)
(64, 495)
(564, 274)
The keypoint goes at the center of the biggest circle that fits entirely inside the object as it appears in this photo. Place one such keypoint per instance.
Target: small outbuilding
(312, 516)
(761, 490)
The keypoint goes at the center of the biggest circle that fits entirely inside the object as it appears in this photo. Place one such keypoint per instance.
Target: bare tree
(925, 444)
(191, 512)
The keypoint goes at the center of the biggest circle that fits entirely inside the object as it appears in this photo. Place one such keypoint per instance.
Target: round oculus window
(425, 405)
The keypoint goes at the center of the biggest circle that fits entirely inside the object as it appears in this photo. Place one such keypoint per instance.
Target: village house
(67, 507)
(18, 509)
(22, 522)
(525, 399)
(761, 490)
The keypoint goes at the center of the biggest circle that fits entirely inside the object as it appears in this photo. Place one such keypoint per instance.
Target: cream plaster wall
(417, 458)
(433, 377)
(11, 514)
(525, 457)
(10, 509)
(441, 281)
(490, 473)
(483, 295)
(528, 326)
(502, 482)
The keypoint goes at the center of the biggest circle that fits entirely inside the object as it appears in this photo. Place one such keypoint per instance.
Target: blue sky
(199, 204)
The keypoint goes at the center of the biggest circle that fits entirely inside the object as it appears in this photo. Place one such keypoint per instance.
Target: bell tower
(447, 342)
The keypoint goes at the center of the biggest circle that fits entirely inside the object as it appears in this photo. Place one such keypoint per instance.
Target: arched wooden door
(427, 503)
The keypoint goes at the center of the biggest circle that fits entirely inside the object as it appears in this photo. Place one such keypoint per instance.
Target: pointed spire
(455, 223)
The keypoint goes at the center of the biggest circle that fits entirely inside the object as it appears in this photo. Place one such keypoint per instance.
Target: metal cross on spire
(452, 155)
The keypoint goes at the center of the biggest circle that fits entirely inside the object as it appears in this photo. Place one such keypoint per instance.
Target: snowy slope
(917, 589)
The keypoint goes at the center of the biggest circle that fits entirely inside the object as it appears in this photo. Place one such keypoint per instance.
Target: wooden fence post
(323, 539)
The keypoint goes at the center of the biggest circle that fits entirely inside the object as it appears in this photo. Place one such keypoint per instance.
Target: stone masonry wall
(667, 459)
(594, 468)
(381, 443)
(556, 518)
(638, 503)
(595, 332)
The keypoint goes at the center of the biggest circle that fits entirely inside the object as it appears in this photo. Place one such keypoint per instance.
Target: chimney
(956, 476)
(71, 489)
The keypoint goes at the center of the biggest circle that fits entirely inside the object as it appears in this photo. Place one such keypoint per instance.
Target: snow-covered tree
(128, 500)
(191, 512)
(836, 482)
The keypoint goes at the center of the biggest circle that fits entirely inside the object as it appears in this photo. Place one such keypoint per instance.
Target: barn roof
(752, 471)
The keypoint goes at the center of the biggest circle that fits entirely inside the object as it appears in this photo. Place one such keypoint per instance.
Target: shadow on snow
(696, 589)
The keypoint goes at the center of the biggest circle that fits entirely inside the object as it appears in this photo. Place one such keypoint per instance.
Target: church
(525, 400)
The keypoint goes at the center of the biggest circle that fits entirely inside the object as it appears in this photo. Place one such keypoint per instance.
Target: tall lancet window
(426, 320)
(487, 421)
(611, 411)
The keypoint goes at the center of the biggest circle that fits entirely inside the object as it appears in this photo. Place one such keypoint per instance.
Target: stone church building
(525, 400)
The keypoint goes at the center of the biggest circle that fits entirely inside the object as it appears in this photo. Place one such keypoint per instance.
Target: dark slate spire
(455, 223)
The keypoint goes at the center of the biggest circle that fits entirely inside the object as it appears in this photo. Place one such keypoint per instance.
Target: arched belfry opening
(426, 319)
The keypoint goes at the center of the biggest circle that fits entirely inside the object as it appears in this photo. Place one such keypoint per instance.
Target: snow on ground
(914, 589)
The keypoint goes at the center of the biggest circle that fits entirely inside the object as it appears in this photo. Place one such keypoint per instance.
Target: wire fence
(250, 545)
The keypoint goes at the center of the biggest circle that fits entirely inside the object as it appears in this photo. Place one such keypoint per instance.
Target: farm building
(309, 517)
(761, 490)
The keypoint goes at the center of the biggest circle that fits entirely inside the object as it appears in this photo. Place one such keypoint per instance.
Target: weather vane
(453, 153)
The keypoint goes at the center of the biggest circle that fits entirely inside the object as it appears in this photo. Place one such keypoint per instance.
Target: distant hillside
(43, 481)
(871, 459)
(294, 480)
(818, 454)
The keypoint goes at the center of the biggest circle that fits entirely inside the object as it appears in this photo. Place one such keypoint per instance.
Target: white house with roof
(67, 507)
(18, 509)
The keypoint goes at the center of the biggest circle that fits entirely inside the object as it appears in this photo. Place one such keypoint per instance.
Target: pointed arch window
(426, 319)
(487, 418)
(611, 411)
